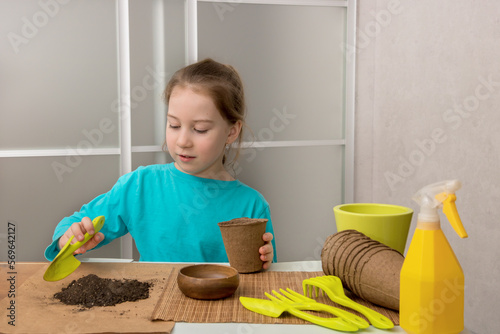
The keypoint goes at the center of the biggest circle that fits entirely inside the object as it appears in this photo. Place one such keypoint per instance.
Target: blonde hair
(219, 81)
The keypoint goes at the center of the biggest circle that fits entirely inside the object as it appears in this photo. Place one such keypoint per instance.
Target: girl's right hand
(79, 230)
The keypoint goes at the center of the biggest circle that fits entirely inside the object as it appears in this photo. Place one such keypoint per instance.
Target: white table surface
(244, 328)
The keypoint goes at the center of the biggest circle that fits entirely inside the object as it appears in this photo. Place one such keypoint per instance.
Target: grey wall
(428, 94)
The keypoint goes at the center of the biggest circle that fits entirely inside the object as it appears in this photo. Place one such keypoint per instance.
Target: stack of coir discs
(367, 267)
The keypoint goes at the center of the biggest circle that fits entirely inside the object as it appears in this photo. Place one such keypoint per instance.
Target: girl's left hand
(266, 251)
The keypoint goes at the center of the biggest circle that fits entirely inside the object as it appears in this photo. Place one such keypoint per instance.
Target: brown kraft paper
(36, 311)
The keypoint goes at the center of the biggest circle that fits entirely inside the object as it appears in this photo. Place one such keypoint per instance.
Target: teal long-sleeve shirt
(172, 216)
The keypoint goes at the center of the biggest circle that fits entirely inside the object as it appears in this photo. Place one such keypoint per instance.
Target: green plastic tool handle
(98, 222)
(319, 307)
(377, 320)
(357, 321)
(298, 311)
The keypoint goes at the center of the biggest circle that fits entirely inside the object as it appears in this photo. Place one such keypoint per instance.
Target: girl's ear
(234, 132)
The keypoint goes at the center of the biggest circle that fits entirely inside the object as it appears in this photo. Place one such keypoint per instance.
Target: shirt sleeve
(112, 205)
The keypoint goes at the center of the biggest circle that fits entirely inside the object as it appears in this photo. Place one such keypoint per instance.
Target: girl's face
(197, 134)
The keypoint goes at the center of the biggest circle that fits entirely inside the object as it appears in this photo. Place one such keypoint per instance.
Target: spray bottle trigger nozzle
(450, 210)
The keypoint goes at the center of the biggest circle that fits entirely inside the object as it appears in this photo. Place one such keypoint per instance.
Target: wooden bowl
(208, 281)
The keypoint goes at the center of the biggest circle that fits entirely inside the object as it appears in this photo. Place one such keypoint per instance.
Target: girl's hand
(266, 251)
(79, 230)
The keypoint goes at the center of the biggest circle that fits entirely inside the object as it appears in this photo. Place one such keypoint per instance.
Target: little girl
(172, 210)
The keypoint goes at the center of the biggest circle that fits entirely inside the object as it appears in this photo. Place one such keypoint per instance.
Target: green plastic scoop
(65, 262)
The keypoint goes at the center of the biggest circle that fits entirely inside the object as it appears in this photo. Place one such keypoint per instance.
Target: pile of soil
(91, 290)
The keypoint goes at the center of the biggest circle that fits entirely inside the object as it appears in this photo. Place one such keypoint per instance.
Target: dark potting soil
(91, 290)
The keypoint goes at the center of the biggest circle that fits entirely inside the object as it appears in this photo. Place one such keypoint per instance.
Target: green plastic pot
(388, 224)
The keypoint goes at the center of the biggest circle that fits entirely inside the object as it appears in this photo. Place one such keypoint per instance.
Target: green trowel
(65, 262)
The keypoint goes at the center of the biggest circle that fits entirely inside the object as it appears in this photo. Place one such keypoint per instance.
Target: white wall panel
(58, 74)
(36, 198)
(302, 185)
(157, 50)
(291, 61)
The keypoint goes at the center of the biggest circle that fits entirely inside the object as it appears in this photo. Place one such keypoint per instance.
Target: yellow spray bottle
(432, 280)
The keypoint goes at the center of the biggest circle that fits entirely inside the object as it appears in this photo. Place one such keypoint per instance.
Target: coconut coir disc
(242, 239)
(331, 256)
(379, 278)
(336, 245)
(327, 246)
(342, 254)
(352, 268)
(324, 255)
(347, 257)
(328, 251)
(364, 258)
(367, 267)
